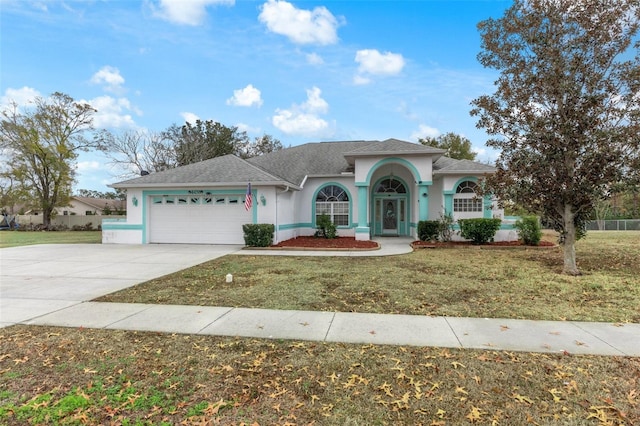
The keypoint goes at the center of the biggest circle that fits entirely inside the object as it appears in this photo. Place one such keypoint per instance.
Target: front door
(390, 217)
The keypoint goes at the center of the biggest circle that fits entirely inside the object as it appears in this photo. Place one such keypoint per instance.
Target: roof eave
(203, 184)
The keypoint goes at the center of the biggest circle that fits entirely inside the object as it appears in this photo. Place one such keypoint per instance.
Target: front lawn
(467, 282)
(26, 238)
(108, 377)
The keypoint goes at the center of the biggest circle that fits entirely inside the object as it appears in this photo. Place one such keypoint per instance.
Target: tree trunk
(569, 245)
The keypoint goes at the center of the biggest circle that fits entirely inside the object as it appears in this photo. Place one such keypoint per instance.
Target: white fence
(614, 225)
(61, 221)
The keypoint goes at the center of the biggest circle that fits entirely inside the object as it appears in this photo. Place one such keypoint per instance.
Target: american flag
(248, 199)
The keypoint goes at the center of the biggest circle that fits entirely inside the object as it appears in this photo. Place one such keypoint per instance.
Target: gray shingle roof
(227, 169)
(446, 165)
(291, 165)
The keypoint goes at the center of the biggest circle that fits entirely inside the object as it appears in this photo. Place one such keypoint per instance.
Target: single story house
(368, 188)
(87, 206)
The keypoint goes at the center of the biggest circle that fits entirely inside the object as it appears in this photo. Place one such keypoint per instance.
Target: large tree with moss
(566, 111)
(40, 143)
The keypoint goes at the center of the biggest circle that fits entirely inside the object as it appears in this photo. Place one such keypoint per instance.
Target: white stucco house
(368, 188)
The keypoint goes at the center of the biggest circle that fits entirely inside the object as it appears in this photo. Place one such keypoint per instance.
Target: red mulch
(325, 243)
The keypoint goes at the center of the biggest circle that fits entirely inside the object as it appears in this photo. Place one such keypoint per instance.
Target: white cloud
(425, 131)
(359, 80)
(189, 117)
(110, 78)
(372, 62)
(248, 129)
(314, 59)
(303, 119)
(317, 26)
(113, 112)
(249, 96)
(185, 12)
(21, 97)
(85, 166)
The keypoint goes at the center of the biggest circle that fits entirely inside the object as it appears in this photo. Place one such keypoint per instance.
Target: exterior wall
(304, 206)
(130, 230)
(436, 200)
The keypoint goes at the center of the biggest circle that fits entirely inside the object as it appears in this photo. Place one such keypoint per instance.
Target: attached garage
(197, 219)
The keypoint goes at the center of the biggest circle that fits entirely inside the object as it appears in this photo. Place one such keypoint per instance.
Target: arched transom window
(390, 185)
(466, 198)
(333, 201)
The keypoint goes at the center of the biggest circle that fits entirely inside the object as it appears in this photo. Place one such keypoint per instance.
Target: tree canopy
(41, 143)
(457, 146)
(566, 112)
(135, 152)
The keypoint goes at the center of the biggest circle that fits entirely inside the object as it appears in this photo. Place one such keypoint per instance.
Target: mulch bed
(315, 243)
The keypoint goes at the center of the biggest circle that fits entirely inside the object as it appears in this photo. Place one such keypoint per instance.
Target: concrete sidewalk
(405, 330)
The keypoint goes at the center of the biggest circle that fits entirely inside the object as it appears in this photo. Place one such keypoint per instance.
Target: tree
(41, 145)
(204, 140)
(565, 113)
(457, 146)
(261, 145)
(135, 152)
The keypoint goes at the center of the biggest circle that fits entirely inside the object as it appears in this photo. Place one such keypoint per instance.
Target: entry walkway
(53, 285)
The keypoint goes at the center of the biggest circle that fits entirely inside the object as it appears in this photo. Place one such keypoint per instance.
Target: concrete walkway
(52, 285)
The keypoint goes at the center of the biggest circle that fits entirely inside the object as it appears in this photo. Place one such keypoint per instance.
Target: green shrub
(529, 230)
(326, 228)
(428, 230)
(479, 231)
(258, 235)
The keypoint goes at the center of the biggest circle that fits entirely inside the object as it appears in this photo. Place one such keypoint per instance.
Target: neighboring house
(86, 206)
(368, 188)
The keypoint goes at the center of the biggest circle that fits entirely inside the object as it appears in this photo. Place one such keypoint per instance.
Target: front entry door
(390, 217)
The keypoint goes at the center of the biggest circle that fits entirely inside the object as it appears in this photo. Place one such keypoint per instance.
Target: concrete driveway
(40, 279)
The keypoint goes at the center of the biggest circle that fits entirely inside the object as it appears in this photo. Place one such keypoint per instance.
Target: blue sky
(301, 71)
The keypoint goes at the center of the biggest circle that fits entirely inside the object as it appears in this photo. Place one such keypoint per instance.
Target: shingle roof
(290, 166)
(227, 169)
(446, 165)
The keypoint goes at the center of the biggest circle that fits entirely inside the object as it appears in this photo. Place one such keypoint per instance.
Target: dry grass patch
(469, 282)
(26, 238)
(80, 376)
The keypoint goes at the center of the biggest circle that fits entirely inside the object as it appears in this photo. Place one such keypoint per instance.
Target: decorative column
(448, 203)
(423, 201)
(363, 231)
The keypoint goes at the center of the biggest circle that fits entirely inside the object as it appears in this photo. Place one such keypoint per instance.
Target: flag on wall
(248, 199)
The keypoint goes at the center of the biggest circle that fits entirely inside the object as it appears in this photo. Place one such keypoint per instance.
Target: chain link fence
(614, 225)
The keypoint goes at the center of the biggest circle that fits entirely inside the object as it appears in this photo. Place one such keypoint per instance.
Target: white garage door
(205, 219)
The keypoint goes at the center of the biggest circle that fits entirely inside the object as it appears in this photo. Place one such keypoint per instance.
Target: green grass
(26, 238)
(468, 282)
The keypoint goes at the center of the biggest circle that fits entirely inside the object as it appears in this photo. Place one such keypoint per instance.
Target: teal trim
(377, 225)
(121, 227)
(448, 204)
(294, 226)
(315, 195)
(486, 202)
(409, 165)
(362, 206)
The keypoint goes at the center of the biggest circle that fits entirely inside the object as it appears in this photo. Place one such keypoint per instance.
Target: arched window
(333, 201)
(466, 198)
(390, 185)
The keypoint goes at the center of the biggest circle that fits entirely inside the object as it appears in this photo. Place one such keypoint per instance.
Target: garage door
(205, 219)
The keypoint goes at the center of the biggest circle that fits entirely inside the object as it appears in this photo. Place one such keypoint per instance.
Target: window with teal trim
(333, 201)
(392, 186)
(466, 198)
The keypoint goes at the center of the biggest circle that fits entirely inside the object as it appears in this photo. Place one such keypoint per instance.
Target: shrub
(445, 229)
(529, 230)
(258, 235)
(428, 230)
(326, 228)
(479, 231)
